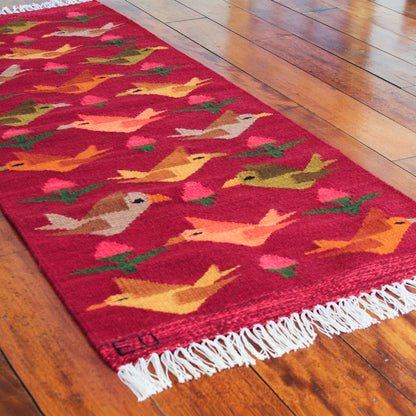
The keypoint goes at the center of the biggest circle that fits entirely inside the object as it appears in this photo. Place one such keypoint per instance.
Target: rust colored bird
(18, 26)
(12, 72)
(115, 124)
(251, 235)
(128, 56)
(40, 162)
(83, 82)
(91, 32)
(377, 234)
(109, 216)
(26, 53)
(165, 297)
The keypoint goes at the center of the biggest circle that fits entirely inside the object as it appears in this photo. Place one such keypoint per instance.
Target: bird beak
(48, 36)
(3, 168)
(122, 94)
(175, 240)
(116, 75)
(61, 105)
(159, 47)
(65, 126)
(263, 115)
(158, 198)
(218, 154)
(97, 306)
(231, 182)
(411, 220)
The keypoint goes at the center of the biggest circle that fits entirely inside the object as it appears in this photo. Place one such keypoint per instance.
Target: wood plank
(368, 32)
(332, 380)
(405, 7)
(354, 118)
(389, 348)
(365, 9)
(14, 399)
(305, 6)
(49, 352)
(353, 50)
(408, 164)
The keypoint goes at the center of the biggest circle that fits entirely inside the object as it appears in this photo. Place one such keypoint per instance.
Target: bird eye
(197, 233)
(119, 300)
(84, 124)
(246, 117)
(249, 178)
(101, 77)
(199, 157)
(18, 164)
(138, 90)
(138, 201)
(45, 106)
(400, 222)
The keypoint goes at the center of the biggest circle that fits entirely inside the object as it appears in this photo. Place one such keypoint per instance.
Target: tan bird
(12, 72)
(164, 297)
(165, 89)
(25, 53)
(175, 167)
(91, 32)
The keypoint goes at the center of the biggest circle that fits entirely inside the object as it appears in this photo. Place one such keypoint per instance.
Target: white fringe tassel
(46, 5)
(150, 376)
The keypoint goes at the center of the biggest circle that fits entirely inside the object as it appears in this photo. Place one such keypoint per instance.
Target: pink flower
(137, 141)
(52, 66)
(110, 248)
(270, 261)
(194, 190)
(198, 99)
(23, 39)
(15, 132)
(255, 141)
(92, 99)
(109, 37)
(328, 194)
(54, 184)
(74, 14)
(150, 65)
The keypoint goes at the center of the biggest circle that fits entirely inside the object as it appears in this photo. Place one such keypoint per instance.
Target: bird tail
(272, 217)
(90, 152)
(327, 245)
(316, 163)
(13, 70)
(212, 275)
(130, 174)
(109, 26)
(60, 222)
(197, 82)
(148, 113)
(186, 132)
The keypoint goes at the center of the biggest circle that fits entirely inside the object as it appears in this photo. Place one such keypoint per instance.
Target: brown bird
(128, 56)
(109, 216)
(25, 53)
(228, 126)
(12, 72)
(91, 32)
(27, 112)
(165, 297)
(165, 89)
(40, 162)
(18, 26)
(83, 82)
(377, 234)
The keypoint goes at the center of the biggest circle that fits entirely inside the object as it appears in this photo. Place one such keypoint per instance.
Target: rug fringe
(151, 375)
(46, 5)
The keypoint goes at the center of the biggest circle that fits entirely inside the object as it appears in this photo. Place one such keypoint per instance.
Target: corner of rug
(51, 4)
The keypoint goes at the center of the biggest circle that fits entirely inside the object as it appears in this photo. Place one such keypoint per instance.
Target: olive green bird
(272, 175)
(128, 56)
(18, 26)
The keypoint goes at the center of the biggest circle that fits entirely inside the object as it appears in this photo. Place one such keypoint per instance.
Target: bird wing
(210, 134)
(310, 176)
(100, 119)
(229, 117)
(111, 203)
(214, 226)
(270, 170)
(27, 107)
(88, 227)
(84, 76)
(374, 223)
(143, 288)
(158, 175)
(131, 50)
(178, 157)
(34, 158)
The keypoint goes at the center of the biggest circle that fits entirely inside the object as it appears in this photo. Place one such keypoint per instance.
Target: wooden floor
(345, 70)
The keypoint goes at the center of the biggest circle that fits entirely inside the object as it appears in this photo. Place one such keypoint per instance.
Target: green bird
(18, 26)
(128, 56)
(271, 175)
(26, 112)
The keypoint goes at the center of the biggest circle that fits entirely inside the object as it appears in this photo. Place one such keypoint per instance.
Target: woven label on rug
(186, 226)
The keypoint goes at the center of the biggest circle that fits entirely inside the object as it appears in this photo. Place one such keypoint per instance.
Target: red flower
(150, 65)
(92, 99)
(14, 132)
(109, 37)
(74, 14)
(54, 184)
(52, 66)
(110, 248)
(198, 99)
(270, 261)
(194, 190)
(137, 141)
(23, 39)
(328, 194)
(255, 141)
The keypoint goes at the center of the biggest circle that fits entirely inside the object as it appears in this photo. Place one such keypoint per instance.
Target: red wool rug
(187, 227)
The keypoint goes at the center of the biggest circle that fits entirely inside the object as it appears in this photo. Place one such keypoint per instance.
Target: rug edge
(51, 4)
(150, 376)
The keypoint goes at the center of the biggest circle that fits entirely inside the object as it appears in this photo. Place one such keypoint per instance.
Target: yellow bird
(164, 297)
(176, 167)
(165, 89)
(26, 53)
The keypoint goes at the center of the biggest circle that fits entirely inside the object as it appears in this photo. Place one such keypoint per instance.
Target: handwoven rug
(187, 227)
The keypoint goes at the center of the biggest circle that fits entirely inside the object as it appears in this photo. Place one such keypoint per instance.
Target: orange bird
(27, 53)
(83, 82)
(34, 161)
(377, 234)
(251, 235)
(114, 124)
